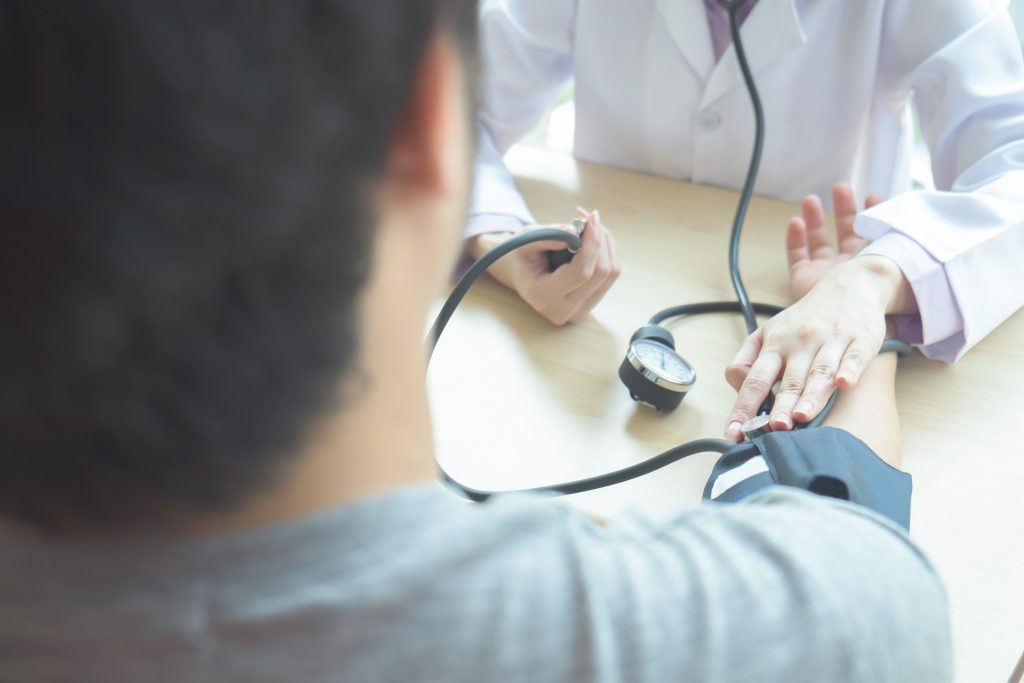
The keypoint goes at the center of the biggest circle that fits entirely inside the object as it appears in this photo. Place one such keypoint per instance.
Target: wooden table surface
(518, 402)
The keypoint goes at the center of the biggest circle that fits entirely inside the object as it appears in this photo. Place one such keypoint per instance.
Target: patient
(223, 225)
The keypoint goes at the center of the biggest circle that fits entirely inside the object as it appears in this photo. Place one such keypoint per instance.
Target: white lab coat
(837, 78)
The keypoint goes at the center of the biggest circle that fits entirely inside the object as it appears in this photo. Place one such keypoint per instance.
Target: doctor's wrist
(896, 293)
(503, 270)
(478, 245)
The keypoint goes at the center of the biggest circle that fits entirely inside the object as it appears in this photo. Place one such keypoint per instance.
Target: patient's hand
(808, 247)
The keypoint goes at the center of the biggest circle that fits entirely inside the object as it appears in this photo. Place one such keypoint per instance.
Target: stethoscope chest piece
(653, 372)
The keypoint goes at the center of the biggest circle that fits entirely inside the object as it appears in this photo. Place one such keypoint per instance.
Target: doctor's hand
(569, 293)
(826, 339)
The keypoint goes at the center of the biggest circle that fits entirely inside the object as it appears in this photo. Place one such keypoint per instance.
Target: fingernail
(805, 408)
(580, 211)
(785, 420)
(734, 430)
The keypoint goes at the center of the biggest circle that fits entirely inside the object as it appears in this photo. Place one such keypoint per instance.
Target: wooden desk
(518, 402)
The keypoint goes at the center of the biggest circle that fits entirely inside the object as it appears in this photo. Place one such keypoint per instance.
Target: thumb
(547, 245)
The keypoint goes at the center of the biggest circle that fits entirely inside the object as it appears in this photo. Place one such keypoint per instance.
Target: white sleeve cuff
(939, 317)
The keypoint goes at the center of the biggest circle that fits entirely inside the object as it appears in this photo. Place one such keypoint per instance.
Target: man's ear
(428, 153)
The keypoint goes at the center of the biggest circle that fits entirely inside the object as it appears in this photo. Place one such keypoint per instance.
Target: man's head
(191, 197)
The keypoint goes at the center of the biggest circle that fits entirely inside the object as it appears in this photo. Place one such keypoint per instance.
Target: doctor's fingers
(856, 358)
(609, 264)
(586, 264)
(753, 391)
(546, 246)
(613, 248)
(551, 294)
(794, 379)
(820, 382)
(740, 364)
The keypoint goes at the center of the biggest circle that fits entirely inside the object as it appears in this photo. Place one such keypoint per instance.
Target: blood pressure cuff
(824, 460)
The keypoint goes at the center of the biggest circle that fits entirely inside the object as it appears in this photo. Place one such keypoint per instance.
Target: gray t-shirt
(420, 586)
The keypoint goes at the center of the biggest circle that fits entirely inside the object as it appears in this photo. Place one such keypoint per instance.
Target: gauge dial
(663, 361)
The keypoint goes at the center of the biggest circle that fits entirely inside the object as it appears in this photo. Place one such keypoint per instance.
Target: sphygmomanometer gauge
(653, 372)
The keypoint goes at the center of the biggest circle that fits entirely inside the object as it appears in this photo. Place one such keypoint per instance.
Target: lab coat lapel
(687, 23)
(772, 31)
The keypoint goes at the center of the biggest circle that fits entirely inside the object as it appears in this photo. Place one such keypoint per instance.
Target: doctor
(658, 90)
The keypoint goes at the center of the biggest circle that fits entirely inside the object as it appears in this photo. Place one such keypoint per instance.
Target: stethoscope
(653, 371)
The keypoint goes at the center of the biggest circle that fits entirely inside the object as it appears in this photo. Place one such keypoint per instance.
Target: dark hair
(184, 231)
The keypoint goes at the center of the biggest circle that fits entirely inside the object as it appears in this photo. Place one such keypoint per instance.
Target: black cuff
(827, 461)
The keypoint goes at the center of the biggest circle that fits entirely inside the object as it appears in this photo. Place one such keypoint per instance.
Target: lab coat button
(709, 120)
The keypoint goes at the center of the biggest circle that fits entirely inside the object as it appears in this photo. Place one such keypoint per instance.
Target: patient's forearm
(868, 410)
